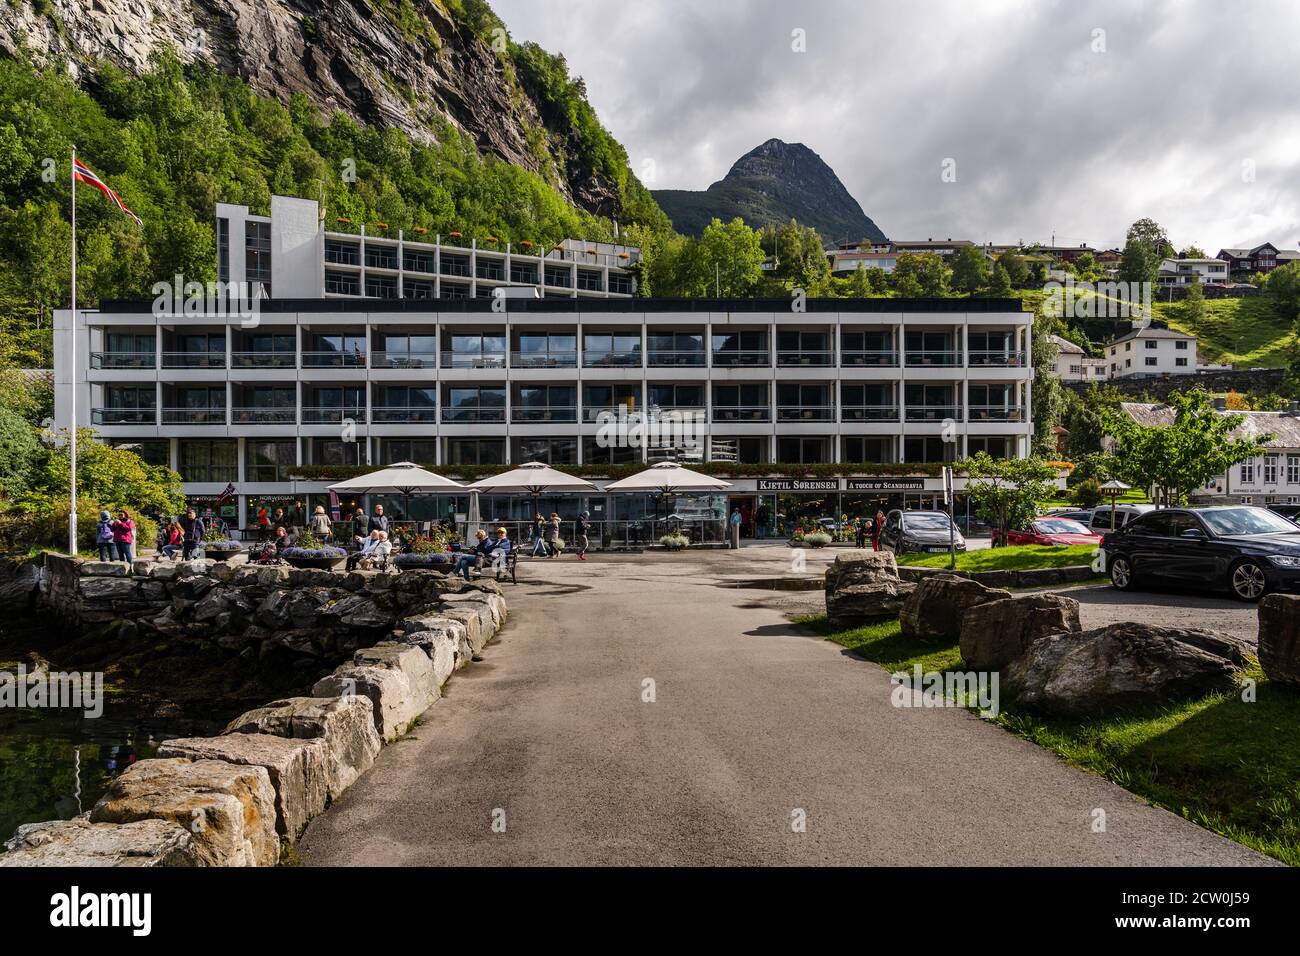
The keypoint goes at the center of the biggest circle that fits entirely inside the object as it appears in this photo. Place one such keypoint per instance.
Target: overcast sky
(1061, 116)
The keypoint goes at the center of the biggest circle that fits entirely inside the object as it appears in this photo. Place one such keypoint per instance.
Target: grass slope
(1246, 332)
(1229, 766)
(1020, 557)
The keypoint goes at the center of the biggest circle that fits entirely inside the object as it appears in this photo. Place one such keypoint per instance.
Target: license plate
(936, 550)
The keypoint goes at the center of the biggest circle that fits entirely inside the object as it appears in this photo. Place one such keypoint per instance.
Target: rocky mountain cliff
(772, 184)
(396, 63)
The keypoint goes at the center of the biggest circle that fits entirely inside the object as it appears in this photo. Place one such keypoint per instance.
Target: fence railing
(123, 360)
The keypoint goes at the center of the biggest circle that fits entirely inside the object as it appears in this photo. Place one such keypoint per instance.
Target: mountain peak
(771, 184)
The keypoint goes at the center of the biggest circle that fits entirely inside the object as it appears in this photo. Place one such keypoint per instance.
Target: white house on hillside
(1177, 272)
(1073, 364)
(1151, 351)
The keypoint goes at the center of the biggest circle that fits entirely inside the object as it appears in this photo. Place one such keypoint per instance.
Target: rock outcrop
(1279, 638)
(934, 610)
(80, 843)
(863, 586)
(1123, 666)
(995, 633)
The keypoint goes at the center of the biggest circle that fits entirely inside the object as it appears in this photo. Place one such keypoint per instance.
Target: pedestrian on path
(581, 529)
(551, 535)
(104, 537)
(194, 532)
(321, 525)
(539, 536)
(876, 527)
(124, 537)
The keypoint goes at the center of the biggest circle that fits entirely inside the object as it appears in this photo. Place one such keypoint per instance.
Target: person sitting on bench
(483, 550)
(378, 554)
(367, 549)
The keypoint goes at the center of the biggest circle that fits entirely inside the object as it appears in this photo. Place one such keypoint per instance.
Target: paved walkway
(753, 724)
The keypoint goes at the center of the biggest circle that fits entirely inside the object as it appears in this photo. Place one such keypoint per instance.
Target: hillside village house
(1270, 478)
(1151, 351)
(1181, 272)
(1243, 263)
(1073, 364)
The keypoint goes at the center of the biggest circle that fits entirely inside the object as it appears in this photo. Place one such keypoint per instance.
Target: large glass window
(545, 403)
(269, 460)
(405, 403)
(476, 451)
(475, 351)
(747, 347)
(469, 404)
(802, 449)
(809, 402)
(618, 349)
(876, 449)
(333, 451)
(675, 348)
(208, 460)
(422, 451)
(257, 245)
(741, 402)
(553, 451)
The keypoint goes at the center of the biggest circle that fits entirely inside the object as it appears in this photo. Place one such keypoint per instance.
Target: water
(56, 764)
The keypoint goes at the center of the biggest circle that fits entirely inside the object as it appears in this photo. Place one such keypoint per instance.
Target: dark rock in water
(1123, 666)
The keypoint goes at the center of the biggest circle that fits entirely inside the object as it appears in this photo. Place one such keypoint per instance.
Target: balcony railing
(880, 358)
(123, 416)
(353, 359)
(805, 413)
(610, 358)
(474, 415)
(287, 415)
(672, 358)
(934, 357)
(995, 413)
(931, 413)
(997, 358)
(395, 415)
(473, 360)
(194, 416)
(282, 359)
(123, 360)
(194, 360)
(726, 357)
(332, 415)
(786, 357)
(406, 359)
(592, 413)
(742, 413)
(869, 413)
(544, 359)
(550, 413)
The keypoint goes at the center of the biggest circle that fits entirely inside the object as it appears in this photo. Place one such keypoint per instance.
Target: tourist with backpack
(104, 537)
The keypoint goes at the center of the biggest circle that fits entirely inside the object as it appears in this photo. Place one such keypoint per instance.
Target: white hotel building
(436, 374)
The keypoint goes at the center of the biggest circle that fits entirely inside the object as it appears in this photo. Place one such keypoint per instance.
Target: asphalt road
(754, 725)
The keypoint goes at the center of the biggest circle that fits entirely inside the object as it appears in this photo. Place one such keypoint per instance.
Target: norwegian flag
(83, 174)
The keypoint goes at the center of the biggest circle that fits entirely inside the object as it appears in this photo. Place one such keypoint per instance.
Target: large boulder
(995, 633)
(446, 642)
(78, 842)
(397, 678)
(1123, 666)
(298, 770)
(863, 586)
(1279, 637)
(346, 724)
(935, 608)
(228, 809)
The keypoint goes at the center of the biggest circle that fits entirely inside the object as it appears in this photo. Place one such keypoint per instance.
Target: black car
(1246, 551)
(921, 531)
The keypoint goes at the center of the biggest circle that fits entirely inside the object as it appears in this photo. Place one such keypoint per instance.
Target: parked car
(1053, 529)
(1100, 522)
(1081, 515)
(1244, 550)
(1291, 512)
(910, 531)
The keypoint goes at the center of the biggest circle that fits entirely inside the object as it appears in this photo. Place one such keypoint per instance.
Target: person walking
(104, 537)
(763, 517)
(360, 523)
(263, 523)
(581, 531)
(736, 519)
(876, 527)
(862, 529)
(124, 537)
(551, 535)
(539, 536)
(194, 531)
(321, 525)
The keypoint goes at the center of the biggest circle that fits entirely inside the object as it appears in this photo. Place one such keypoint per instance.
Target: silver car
(924, 531)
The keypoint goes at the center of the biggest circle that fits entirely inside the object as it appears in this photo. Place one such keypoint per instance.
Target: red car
(1050, 530)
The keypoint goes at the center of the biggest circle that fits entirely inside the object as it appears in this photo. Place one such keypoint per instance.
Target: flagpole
(72, 357)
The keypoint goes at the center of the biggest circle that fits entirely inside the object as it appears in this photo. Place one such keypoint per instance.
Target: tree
(1000, 284)
(929, 271)
(800, 257)
(970, 270)
(1283, 287)
(1008, 493)
(1174, 459)
(730, 257)
(1087, 268)
(1146, 244)
(20, 454)
(1135, 265)
(107, 477)
(1192, 252)
(1016, 269)
(860, 286)
(1194, 304)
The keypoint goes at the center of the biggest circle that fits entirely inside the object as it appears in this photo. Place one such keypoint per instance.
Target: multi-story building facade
(1151, 351)
(294, 254)
(1182, 272)
(356, 381)
(1244, 263)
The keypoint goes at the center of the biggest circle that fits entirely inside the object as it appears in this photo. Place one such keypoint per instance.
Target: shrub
(675, 540)
(817, 539)
(1087, 493)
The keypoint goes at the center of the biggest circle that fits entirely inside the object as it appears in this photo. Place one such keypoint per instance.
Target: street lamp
(1113, 489)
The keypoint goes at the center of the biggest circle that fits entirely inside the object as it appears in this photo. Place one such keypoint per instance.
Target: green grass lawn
(1019, 557)
(1245, 332)
(1226, 765)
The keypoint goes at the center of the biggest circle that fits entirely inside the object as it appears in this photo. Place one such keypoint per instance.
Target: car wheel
(1248, 581)
(1121, 573)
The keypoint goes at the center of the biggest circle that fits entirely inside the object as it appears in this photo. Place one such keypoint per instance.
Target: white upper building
(1151, 351)
(1177, 272)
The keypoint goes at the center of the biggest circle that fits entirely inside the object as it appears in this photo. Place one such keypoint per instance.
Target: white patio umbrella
(404, 478)
(532, 478)
(668, 478)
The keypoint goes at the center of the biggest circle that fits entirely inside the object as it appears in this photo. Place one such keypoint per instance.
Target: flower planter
(439, 561)
(317, 561)
(221, 554)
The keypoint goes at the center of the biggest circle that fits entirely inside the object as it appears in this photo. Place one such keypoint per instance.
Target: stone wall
(240, 798)
(1262, 380)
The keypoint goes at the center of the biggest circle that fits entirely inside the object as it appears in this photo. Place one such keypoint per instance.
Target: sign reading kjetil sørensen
(55, 690)
(798, 484)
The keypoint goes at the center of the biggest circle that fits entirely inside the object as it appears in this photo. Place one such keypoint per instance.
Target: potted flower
(220, 548)
(817, 539)
(675, 541)
(427, 551)
(310, 552)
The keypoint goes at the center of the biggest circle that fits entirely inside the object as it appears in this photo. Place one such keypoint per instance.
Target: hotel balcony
(409, 415)
(114, 360)
(805, 413)
(869, 413)
(484, 359)
(735, 358)
(742, 413)
(544, 359)
(874, 358)
(194, 416)
(124, 416)
(256, 415)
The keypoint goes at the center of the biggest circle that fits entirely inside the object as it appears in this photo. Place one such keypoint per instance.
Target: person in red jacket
(124, 537)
